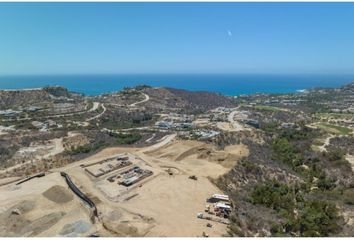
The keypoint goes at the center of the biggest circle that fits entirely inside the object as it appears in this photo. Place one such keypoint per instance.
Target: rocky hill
(186, 100)
(27, 97)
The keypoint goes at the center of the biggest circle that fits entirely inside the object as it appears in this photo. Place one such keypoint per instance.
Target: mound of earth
(58, 194)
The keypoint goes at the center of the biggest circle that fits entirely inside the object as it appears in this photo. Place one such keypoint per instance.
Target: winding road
(234, 124)
(142, 101)
(98, 115)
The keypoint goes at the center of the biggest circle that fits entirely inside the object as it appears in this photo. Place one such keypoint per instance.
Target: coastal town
(150, 161)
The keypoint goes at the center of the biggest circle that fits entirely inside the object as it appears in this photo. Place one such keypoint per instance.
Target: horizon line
(160, 73)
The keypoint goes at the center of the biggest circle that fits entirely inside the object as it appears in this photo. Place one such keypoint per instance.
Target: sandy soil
(323, 148)
(232, 125)
(5, 130)
(94, 107)
(41, 216)
(161, 205)
(174, 201)
(350, 159)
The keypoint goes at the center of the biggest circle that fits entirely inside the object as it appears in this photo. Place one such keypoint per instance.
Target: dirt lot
(160, 205)
(40, 207)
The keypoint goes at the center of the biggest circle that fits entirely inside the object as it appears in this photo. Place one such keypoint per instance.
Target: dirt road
(98, 115)
(236, 125)
(145, 100)
(326, 143)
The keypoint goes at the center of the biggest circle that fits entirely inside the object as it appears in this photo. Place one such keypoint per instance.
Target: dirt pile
(58, 194)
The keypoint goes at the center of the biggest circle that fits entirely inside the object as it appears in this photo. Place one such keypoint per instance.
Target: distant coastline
(226, 84)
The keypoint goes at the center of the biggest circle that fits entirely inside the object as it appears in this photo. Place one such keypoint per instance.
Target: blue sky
(90, 38)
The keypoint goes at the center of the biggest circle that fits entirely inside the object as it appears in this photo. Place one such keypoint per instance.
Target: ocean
(227, 84)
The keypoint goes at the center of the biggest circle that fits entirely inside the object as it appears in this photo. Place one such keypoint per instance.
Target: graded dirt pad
(181, 150)
(184, 150)
(126, 225)
(174, 150)
(42, 224)
(174, 202)
(47, 205)
(166, 204)
(14, 221)
(58, 194)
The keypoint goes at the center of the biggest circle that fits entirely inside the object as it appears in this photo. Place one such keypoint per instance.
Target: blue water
(225, 84)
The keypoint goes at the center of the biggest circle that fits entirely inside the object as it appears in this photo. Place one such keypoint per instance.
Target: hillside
(27, 97)
(186, 100)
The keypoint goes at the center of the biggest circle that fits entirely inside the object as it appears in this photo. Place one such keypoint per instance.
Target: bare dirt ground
(28, 211)
(323, 148)
(6, 130)
(231, 125)
(160, 205)
(350, 159)
(37, 151)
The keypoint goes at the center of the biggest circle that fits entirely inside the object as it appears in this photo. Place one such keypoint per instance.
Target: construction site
(159, 190)
(217, 210)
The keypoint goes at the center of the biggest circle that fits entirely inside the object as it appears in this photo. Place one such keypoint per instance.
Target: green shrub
(316, 218)
(335, 155)
(286, 153)
(126, 138)
(86, 148)
(349, 196)
(274, 195)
